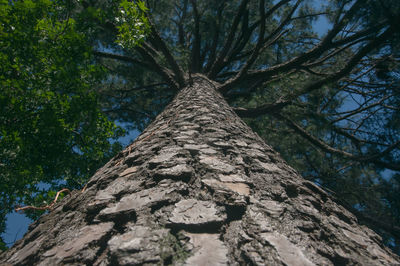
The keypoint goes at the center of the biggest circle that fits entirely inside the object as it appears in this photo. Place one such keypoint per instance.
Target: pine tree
(327, 102)
(199, 186)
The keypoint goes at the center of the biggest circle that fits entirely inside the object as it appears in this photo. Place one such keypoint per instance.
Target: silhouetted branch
(228, 42)
(123, 58)
(158, 42)
(195, 54)
(47, 207)
(368, 158)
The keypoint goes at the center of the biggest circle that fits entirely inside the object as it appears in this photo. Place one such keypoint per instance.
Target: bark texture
(198, 187)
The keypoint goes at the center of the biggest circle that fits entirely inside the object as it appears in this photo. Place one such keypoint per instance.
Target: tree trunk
(199, 187)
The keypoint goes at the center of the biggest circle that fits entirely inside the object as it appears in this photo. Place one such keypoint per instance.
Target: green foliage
(52, 129)
(132, 24)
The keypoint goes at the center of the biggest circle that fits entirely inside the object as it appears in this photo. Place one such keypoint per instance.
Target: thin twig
(47, 207)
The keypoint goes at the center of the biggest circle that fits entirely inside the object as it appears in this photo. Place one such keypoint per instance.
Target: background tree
(53, 132)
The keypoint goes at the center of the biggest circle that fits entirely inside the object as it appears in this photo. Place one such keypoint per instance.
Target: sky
(17, 223)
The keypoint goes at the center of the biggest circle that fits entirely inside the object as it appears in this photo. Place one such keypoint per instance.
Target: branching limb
(128, 110)
(361, 109)
(119, 57)
(261, 43)
(312, 54)
(195, 57)
(228, 42)
(47, 207)
(332, 54)
(262, 110)
(327, 148)
(346, 69)
(163, 72)
(139, 88)
(317, 142)
(252, 112)
(181, 30)
(212, 53)
(158, 42)
(247, 31)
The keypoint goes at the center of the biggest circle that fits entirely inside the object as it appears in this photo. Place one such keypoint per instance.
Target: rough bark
(198, 187)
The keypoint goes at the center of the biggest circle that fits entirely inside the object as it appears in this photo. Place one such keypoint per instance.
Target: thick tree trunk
(198, 187)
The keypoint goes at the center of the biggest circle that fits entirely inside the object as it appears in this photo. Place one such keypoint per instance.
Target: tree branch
(261, 40)
(181, 30)
(123, 58)
(262, 110)
(313, 53)
(349, 66)
(157, 41)
(195, 57)
(259, 44)
(215, 68)
(246, 34)
(327, 148)
(361, 109)
(47, 207)
(213, 50)
(141, 87)
(318, 84)
(163, 72)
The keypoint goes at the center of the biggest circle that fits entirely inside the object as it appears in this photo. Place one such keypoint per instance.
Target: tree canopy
(328, 103)
(52, 130)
